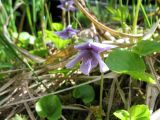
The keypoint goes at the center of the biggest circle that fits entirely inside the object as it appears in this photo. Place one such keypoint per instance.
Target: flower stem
(101, 94)
(64, 18)
(136, 17)
(69, 18)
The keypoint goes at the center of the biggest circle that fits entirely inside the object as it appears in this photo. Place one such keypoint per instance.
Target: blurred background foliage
(30, 24)
(26, 26)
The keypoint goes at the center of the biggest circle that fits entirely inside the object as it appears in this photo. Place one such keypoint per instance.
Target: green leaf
(57, 26)
(85, 92)
(49, 107)
(122, 61)
(142, 76)
(42, 52)
(139, 112)
(19, 117)
(24, 38)
(146, 47)
(50, 36)
(128, 62)
(122, 114)
(5, 65)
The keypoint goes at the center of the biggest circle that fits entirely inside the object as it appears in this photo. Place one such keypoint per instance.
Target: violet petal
(102, 65)
(83, 46)
(67, 33)
(94, 62)
(86, 66)
(99, 47)
(62, 34)
(75, 60)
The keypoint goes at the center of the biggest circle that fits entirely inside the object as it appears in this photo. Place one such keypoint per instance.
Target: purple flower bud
(67, 33)
(90, 57)
(67, 5)
(49, 44)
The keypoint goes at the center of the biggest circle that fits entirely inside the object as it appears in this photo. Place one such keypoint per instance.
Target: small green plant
(57, 26)
(121, 14)
(50, 36)
(147, 47)
(49, 107)
(127, 62)
(86, 93)
(19, 117)
(130, 61)
(24, 39)
(137, 112)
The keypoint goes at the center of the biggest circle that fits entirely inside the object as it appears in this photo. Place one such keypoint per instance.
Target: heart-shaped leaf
(86, 93)
(49, 107)
(122, 61)
(128, 62)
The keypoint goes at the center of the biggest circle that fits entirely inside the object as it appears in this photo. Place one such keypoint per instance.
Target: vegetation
(95, 60)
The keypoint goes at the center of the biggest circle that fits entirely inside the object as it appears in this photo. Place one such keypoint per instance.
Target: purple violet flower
(67, 33)
(67, 5)
(89, 54)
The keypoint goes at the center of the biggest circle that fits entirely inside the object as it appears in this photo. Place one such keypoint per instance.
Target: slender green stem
(49, 18)
(29, 19)
(101, 94)
(64, 18)
(136, 17)
(145, 16)
(121, 4)
(34, 12)
(127, 2)
(69, 18)
(12, 17)
(122, 15)
(43, 21)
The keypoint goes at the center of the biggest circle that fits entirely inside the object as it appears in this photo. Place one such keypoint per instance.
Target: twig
(10, 82)
(12, 71)
(101, 95)
(111, 96)
(152, 91)
(29, 111)
(122, 94)
(129, 94)
(11, 113)
(73, 108)
(101, 26)
(63, 118)
(25, 88)
(54, 93)
(8, 97)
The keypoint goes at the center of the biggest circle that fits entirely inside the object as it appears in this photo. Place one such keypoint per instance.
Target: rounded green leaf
(49, 107)
(122, 114)
(139, 112)
(128, 62)
(86, 93)
(123, 61)
(146, 47)
(136, 112)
